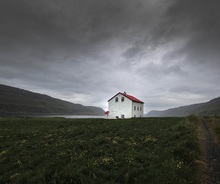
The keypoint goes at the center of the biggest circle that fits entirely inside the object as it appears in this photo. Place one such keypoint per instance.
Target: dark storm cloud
(192, 28)
(84, 51)
(54, 31)
(81, 21)
(199, 22)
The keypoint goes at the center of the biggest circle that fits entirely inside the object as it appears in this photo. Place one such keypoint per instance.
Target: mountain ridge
(16, 101)
(211, 107)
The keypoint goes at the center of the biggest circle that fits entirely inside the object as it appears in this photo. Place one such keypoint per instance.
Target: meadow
(216, 122)
(58, 150)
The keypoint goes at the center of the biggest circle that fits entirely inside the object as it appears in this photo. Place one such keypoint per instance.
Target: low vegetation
(58, 150)
(216, 121)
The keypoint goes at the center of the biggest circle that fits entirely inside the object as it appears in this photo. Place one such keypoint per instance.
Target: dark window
(137, 108)
(122, 99)
(140, 109)
(134, 108)
(116, 99)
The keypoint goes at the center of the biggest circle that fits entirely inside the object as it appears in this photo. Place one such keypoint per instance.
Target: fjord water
(66, 116)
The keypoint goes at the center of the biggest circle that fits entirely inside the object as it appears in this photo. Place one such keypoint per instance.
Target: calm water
(67, 116)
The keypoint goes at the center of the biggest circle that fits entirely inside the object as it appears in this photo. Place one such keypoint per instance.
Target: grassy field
(56, 150)
(216, 122)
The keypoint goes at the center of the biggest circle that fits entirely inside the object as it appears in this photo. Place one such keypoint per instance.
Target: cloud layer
(164, 52)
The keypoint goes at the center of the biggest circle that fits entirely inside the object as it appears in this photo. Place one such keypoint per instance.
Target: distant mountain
(15, 101)
(202, 109)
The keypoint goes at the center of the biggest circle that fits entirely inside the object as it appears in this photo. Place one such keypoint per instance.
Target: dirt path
(211, 153)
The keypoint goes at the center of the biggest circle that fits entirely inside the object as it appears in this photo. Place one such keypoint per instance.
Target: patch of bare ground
(210, 161)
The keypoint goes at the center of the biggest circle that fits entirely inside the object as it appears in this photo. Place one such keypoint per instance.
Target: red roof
(134, 99)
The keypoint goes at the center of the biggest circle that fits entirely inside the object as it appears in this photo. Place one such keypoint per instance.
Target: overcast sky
(164, 52)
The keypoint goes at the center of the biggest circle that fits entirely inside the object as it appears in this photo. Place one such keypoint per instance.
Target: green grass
(56, 150)
(216, 121)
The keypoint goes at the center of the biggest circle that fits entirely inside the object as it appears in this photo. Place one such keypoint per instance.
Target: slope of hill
(202, 109)
(15, 101)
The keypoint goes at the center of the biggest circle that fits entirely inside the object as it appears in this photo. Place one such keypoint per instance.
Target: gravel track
(212, 153)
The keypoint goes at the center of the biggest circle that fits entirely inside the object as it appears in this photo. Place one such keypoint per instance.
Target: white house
(123, 105)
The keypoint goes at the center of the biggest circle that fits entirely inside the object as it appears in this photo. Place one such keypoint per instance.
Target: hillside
(202, 109)
(15, 101)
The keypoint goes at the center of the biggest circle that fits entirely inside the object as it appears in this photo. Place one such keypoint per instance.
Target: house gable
(132, 98)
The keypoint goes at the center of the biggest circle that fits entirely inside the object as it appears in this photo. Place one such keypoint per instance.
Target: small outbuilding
(123, 105)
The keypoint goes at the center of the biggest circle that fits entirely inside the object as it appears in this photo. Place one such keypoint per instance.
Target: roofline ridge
(130, 97)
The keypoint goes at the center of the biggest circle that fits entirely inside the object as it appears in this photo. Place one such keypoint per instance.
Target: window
(134, 108)
(137, 108)
(116, 99)
(140, 109)
(122, 99)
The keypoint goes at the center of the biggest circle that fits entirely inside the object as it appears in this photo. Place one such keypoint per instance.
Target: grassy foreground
(56, 150)
(216, 121)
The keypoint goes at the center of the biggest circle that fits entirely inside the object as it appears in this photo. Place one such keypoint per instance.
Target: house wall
(120, 108)
(128, 108)
(137, 109)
